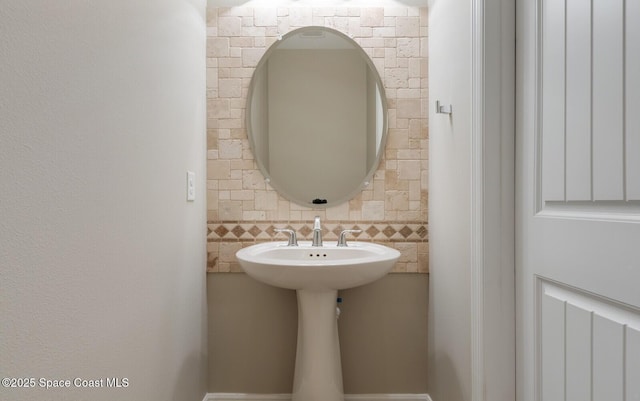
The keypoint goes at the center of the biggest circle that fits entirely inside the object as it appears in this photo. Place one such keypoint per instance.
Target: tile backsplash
(243, 208)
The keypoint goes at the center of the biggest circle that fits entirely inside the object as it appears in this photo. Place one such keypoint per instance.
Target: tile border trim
(257, 231)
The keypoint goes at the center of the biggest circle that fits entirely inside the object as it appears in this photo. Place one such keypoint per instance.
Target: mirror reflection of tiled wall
(242, 208)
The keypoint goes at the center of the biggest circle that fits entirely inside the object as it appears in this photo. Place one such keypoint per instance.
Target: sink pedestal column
(318, 372)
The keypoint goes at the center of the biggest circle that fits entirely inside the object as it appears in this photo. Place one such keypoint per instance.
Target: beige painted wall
(253, 328)
(102, 112)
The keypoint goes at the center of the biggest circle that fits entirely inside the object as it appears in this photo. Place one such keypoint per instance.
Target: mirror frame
(366, 181)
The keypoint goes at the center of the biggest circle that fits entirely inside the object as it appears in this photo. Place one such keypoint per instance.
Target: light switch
(191, 186)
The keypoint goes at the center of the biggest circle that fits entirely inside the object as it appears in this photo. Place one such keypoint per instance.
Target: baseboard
(287, 397)
(246, 397)
(387, 397)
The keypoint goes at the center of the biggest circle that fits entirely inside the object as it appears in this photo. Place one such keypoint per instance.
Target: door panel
(577, 208)
(607, 114)
(578, 353)
(632, 98)
(633, 365)
(585, 342)
(587, 51)
(578, 101)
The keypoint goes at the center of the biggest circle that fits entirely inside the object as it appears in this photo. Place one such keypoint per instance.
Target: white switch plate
(191, 186)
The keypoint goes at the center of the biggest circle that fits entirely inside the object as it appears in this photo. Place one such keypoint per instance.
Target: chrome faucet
(342, 240)
(317, 232)
(293, 239)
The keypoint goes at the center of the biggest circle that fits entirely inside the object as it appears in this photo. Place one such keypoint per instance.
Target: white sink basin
(328, 267)
(317, 273)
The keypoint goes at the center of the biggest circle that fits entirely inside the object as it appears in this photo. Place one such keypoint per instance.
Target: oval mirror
(316, 117)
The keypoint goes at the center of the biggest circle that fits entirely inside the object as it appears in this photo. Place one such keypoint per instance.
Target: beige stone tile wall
(242, 207)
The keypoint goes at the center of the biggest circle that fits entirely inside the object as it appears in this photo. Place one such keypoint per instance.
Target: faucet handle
(293, 239)
(342, 240)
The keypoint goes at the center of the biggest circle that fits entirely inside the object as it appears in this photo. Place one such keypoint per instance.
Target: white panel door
(577, 200)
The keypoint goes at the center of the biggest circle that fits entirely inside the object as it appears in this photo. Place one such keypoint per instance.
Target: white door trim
(477, 202)
(492, 201)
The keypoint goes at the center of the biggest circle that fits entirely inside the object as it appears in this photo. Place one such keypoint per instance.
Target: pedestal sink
(317, 273)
